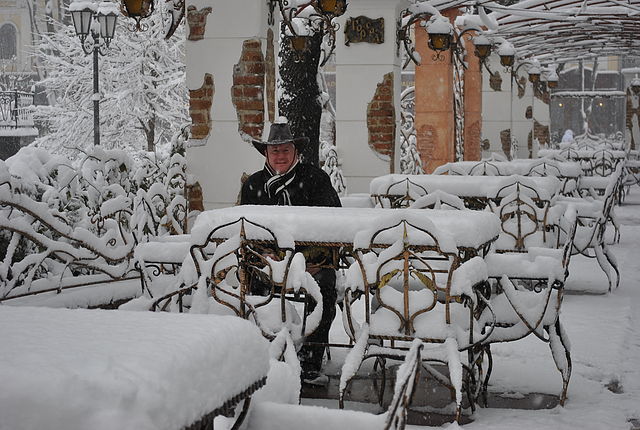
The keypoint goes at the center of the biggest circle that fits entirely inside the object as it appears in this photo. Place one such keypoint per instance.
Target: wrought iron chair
(527, 296)
(416, 288)
(251, 274)
(400, 194)
(523, 214)
(438, 199)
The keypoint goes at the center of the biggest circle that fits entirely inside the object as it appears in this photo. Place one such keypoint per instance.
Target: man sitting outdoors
(285, 180)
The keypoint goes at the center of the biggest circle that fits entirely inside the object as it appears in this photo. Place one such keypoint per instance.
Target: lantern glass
(552, 84)
(507, 60)
(299, 43)
(82, 21)
(138, 8)
(534, 77)
(107, 25)
(439, 41)
(331, 7)
(483, 51)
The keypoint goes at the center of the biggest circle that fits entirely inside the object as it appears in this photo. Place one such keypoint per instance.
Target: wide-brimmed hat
(280, 133)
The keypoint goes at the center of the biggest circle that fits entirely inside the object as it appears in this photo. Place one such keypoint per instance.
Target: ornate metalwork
(410, 161)
(16, 109)
(364, 29)
(458, 104)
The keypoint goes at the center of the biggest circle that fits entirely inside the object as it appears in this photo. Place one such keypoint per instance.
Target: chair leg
(559, 344)
(612, 261)
(603, 262)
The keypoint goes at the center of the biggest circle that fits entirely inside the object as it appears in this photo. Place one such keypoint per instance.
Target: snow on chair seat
(416, 288)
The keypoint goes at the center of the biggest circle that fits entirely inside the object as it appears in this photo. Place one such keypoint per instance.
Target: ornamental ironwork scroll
(364, 29)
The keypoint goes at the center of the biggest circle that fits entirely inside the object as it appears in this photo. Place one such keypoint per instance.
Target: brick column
(381, 118)
(434, 120)
(472, 104)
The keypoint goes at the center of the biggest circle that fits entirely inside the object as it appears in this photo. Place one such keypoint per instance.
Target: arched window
(8, 42)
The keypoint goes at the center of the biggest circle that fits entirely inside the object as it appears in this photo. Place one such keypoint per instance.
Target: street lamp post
(100, 22)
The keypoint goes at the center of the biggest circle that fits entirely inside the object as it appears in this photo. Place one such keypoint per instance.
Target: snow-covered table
(474, 189)
(581, 154)
(561, 169)
(93, 369)
(336, 227)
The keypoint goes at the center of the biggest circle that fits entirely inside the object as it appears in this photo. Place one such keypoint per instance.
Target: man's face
(281, 157)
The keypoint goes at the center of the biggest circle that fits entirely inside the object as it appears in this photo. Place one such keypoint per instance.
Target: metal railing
(16, 109)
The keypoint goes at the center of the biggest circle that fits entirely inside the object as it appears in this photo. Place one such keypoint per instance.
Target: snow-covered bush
(61, 219)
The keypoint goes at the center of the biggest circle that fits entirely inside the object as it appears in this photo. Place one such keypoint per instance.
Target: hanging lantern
(507, 54)
(482, 47)
(440, 35)
(635, 85)
(534, 74)
(331, 7)
(137, 9)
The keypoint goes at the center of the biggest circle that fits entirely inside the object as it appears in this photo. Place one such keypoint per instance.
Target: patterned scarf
(276, 185)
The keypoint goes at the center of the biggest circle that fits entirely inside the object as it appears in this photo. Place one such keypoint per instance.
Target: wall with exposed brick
(381, 118)
(200, 108)
(216, 154)
(247, 92)
(197, 21)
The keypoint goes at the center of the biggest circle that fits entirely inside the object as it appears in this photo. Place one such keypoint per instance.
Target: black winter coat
(310, 187)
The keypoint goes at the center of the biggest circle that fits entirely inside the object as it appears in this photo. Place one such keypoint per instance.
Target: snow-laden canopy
(562, 30)
(557, 30)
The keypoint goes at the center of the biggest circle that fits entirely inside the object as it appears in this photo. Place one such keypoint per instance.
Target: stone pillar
(472, 103)
(226, 54)
(434, 120)
(368, 97)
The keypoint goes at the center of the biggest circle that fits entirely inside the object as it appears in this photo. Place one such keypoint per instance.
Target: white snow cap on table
(93, 369)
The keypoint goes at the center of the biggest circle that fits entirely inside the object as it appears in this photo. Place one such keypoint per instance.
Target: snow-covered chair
(602, 163)
(415, 288)
(599, 190)
(590, 238)
(527, 297)
(438, 199)
(486, 168)
(400, 194)
(523, 214)
(242, 269)
(271, 415)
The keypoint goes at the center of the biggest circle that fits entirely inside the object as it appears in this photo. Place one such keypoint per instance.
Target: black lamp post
(100, 22)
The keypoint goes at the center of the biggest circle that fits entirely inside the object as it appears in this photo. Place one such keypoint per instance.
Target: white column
(360, 67)
(495, 106)
(219, 161)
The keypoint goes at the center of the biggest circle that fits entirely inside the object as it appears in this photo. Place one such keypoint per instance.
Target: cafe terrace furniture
(593, 217)
(245, 235)
(417, 288)
(396, 190)
(79, 369)
(527, 295)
